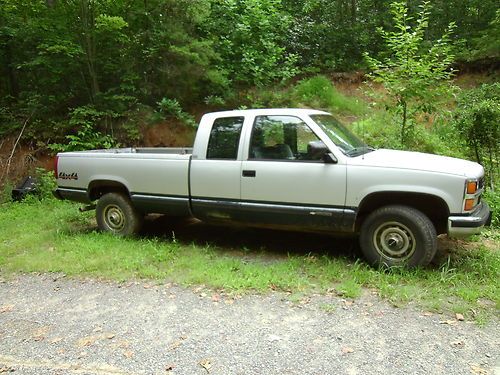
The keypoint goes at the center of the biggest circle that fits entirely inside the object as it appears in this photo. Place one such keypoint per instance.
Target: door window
(225, 138)
(282, 138)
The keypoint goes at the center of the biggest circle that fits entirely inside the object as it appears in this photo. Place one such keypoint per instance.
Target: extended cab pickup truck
(285, 168)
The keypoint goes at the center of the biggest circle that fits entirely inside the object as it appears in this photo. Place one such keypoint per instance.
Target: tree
(415, 71)
(249, 36)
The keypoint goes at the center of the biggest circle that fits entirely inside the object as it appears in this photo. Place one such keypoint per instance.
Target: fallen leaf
(347, 350)
(128, 353)
(449, 321)
(39, 334)
(215, 297)
(169, 368)
(109, 336)
(6, 308)
(123, 344)
(229, 301)
(56, 340)
(478, 370)
(206, 363)
(459, 317)
(175, 345)
(86, 341)
(5, 369)
(427, 313)
(458, 344)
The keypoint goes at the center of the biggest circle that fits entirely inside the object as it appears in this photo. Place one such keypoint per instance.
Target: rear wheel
(398, 236)
(116, 214)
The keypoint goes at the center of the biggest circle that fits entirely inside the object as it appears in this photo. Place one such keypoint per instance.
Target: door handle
(248, 173)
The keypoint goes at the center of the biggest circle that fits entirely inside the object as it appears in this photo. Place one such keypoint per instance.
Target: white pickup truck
(293, 169)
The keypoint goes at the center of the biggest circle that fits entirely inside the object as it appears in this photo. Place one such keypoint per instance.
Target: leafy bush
(172, 107)
(381, 131)
(6, 192)
(46, 183)
(87, 137)
(493, 199)
(319, 92)
(477, 120)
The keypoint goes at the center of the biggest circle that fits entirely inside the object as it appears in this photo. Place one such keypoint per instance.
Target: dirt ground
(51, 324)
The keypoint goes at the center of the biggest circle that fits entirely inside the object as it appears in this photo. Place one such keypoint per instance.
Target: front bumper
(465, 226)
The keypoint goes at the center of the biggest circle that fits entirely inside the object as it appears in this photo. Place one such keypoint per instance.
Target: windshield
(341, 136)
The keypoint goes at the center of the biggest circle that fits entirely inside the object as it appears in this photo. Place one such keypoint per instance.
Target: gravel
(50, 324)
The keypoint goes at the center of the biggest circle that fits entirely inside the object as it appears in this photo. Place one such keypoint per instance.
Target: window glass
(282, 138)
(225, 138)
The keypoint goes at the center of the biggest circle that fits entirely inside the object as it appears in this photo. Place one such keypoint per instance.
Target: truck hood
(418, 161)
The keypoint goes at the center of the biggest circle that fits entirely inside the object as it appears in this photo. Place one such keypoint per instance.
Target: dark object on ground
(28, 186)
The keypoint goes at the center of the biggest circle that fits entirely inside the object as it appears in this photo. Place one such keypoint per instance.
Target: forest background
(86, 74)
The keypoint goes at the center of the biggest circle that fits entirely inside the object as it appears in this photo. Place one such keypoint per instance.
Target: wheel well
(100, 187)
(433, 207)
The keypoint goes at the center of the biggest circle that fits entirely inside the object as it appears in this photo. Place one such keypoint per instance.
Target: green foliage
(319, 92)
(249, 36)
(171, 107)
(6, 192)
(87, 137)
(477, 120)
(414, 75)
(46, 183)
(381, 131)
(486, 45)
(493, 199)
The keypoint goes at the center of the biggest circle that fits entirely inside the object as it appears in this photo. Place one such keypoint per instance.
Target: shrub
(477, 120)
(319, 92)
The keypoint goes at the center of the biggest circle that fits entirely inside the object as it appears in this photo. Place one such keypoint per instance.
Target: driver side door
(284, 184)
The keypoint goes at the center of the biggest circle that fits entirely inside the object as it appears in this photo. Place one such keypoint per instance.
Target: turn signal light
(469, 204)
(471, 187)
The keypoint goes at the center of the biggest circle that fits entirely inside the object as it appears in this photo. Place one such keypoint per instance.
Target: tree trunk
(13, 85)
(88, 44)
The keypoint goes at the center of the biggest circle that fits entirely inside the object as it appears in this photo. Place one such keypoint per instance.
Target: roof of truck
(268, 111)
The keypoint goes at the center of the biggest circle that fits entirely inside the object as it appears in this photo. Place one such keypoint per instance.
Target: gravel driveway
(54, 325)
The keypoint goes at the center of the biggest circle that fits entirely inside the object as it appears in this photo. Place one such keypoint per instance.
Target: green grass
(52, 236)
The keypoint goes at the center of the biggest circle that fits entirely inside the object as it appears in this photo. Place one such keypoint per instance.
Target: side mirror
(330, 158)
(317, 150)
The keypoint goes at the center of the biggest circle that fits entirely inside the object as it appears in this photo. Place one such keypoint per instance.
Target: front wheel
(116, 214)
(398, 236)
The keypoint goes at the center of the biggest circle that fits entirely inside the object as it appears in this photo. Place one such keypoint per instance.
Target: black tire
(398, 236)
(116, 214)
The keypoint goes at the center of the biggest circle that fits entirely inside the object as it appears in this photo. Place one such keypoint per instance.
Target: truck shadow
(248, 240)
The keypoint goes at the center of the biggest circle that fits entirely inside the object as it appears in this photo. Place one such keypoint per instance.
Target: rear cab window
(225, 138)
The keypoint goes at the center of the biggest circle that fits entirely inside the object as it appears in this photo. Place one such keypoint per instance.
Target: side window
(225, 138)
(282, 138)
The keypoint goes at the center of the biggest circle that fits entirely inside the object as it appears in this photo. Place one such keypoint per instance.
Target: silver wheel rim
(394, 241)
(114, 217)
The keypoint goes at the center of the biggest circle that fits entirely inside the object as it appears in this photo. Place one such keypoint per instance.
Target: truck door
(284, 183)
(215, 175)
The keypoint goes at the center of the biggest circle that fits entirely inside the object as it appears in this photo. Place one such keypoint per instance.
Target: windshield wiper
(356, 151)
